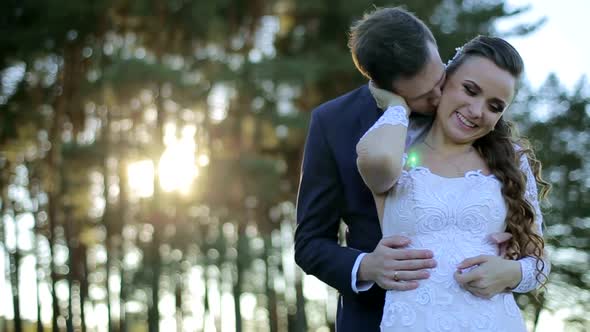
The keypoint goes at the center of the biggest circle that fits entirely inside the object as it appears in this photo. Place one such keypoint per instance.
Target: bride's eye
(496, 109)
(469, 90)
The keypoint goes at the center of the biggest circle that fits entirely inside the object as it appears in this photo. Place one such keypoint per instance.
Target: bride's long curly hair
(502, 149)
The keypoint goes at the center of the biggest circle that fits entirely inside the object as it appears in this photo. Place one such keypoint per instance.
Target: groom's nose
(435, 94)
(435, 98)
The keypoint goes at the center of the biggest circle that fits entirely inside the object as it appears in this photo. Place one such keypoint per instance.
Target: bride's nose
(475, 109)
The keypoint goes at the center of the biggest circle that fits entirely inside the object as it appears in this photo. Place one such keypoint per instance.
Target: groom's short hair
(389, 43)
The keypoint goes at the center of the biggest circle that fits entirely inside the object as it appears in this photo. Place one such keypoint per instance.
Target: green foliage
(556, 123)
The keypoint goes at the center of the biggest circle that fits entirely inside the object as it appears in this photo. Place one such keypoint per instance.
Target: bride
(469, 177)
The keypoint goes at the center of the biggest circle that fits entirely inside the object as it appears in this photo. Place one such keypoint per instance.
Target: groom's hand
(385, 98)
(391, 266)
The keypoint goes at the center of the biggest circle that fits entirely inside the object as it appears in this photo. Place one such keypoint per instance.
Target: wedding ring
(395, 276)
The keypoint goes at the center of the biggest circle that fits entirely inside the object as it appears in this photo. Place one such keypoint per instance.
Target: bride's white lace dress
(453, 217)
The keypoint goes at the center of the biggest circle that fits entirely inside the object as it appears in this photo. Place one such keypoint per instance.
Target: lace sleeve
(393, 115)
(379, 154)
(529, 280)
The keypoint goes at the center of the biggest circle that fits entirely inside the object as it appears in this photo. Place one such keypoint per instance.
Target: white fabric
(452, 217)
(393, 115)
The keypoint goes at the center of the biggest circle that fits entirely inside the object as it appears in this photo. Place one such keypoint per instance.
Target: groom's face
(422, 92)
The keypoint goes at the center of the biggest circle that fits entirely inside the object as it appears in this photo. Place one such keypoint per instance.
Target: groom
(398, 52)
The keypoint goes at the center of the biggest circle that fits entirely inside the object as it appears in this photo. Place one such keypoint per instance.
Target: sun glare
(141, 178)
(177, 167)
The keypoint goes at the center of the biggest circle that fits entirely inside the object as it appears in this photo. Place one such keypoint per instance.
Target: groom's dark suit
(331, 190)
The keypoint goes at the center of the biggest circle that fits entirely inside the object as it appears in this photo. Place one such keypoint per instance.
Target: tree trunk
(122, 214)
(14, 263)
(178, 303)
(271, 294)
(153, 314)
(34, 189)
(300, 317)
(14, 272)
(237, 287)
(62, 102)
(38, 296)
(72, 268)
(3, 199)
(37, 282)
(13, 260)
(106, 216)
(52, 216)
(206, 297)
(84, 288)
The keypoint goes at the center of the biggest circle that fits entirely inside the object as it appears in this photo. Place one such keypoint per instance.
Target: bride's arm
(531, 278)
(381, 149)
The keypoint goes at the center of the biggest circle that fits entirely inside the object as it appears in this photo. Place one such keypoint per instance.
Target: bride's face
(474, 98)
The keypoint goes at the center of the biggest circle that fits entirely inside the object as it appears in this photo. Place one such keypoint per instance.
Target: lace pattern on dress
(451, 216)
(393, 115)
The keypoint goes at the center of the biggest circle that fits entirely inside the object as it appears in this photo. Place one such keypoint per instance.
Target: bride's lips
(463, 122)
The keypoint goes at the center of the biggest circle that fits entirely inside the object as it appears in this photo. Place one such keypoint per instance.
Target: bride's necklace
(459, 170)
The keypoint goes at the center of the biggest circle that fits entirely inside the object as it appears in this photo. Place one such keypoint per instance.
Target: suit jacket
(331, 190)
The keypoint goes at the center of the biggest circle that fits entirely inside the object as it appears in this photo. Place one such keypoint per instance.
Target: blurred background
(150, 154)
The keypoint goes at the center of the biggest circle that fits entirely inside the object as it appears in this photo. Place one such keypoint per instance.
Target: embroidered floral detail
(453, 217)
(443, 322)
(424, 295)
(393, 115)
(398, 313)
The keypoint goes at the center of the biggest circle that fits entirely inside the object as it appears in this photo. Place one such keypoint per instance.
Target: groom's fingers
(399, 285)
(395, 241)
(409, 275)
(404, 286)
(414, 264)
(405, 254)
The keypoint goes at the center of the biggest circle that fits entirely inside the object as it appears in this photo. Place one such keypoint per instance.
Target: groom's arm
(319, 201)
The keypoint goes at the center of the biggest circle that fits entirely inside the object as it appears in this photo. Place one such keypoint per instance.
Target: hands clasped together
(393, 266)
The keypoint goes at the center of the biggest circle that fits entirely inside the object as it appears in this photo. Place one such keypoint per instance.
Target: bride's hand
(385, 98)
(486, 276)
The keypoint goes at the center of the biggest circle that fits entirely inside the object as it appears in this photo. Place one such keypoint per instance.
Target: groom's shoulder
(346, 104)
